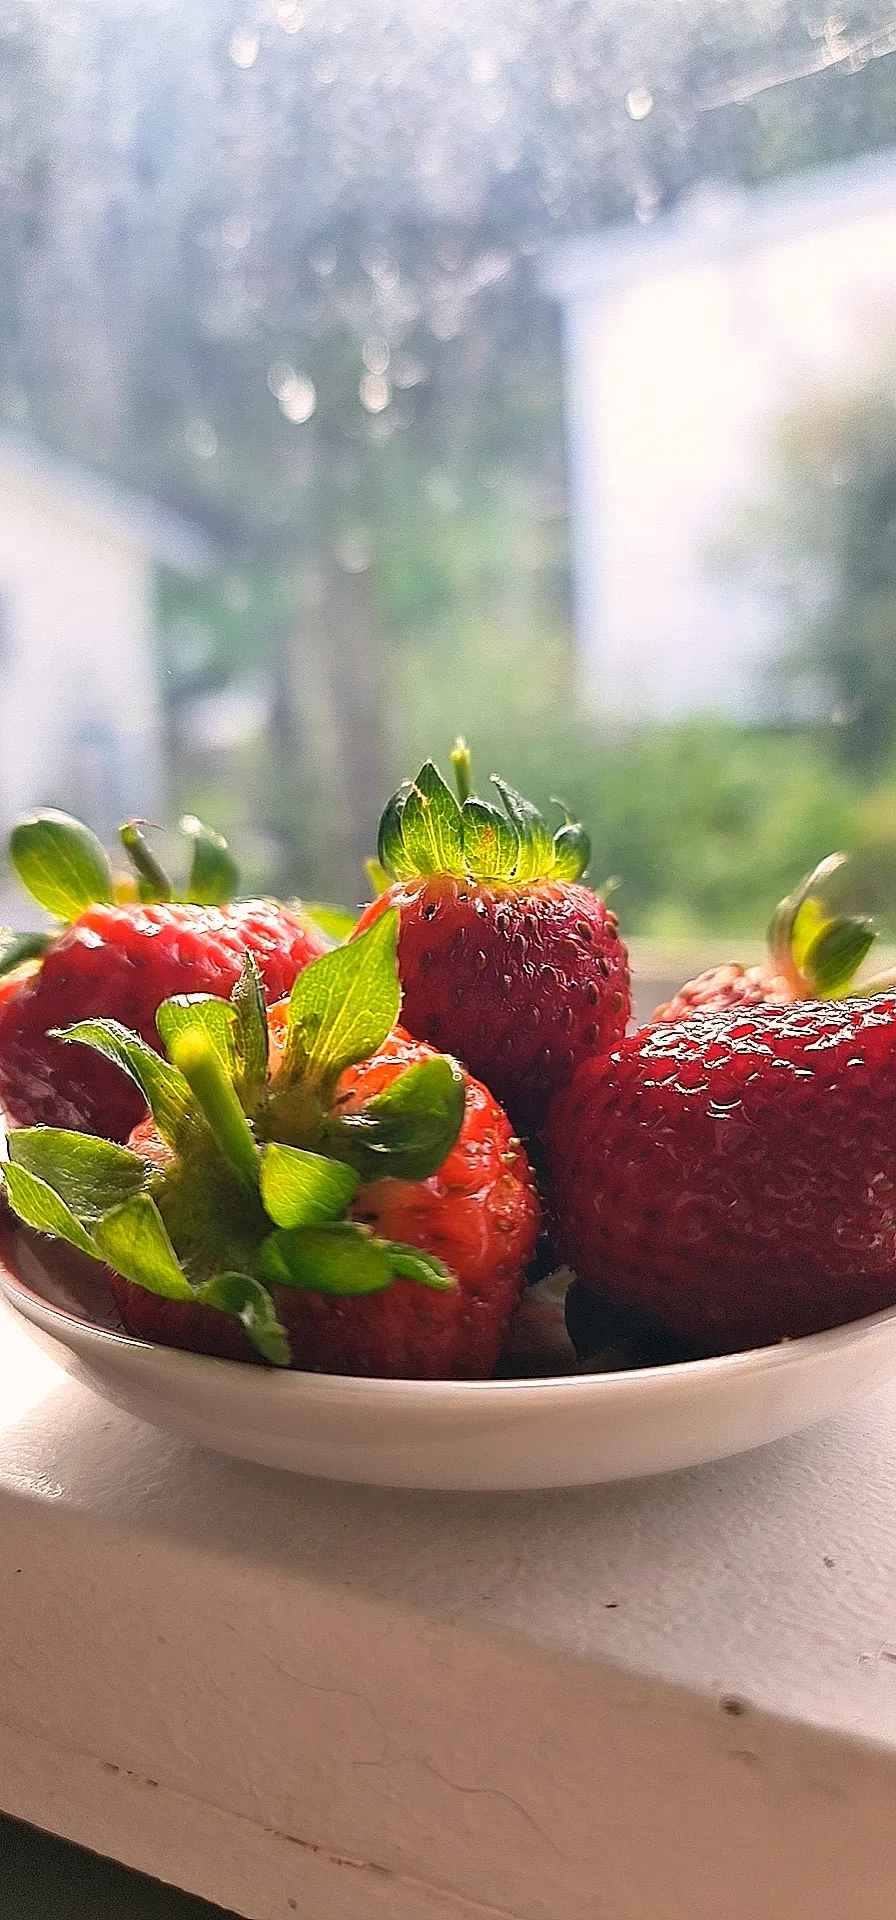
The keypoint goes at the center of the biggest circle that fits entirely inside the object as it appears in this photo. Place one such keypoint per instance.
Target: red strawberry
(813, 955)
(119, 959)
(732, 1177)
(479, 1213)
(505, 959)
(367, 1216)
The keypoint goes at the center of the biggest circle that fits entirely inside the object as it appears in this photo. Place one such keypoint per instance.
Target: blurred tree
(825, 542)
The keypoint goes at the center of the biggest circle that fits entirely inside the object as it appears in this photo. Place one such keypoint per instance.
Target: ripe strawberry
(813, 955)
(121, 957)
(732, 1176)
(505, 958)
(478, 1212)
(312, 1186)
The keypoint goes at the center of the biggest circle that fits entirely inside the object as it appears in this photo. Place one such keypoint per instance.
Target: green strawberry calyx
(252, 1171)
(426, 829)
(815, 949)
(66, 869)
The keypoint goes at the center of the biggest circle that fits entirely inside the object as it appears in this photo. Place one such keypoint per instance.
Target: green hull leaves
(214, 874)
(134, 1240)
(255, 1188)
(39, 1206)
(164, 1089)
(344, 1005)
(405, 1132)
(248, 1301)
(424, 830)
(342, 1259)
(90, 1175)
(300, 1189)
(61, 863)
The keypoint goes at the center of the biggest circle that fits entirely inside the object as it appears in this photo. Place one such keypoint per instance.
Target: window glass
(523, 368)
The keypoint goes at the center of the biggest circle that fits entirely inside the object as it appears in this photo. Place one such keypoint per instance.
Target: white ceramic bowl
(567, 1431)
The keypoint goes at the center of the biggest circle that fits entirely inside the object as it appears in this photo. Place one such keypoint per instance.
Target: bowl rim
(651, 1379)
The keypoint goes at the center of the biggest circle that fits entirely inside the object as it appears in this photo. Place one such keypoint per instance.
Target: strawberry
(312, 1187)
(121, 957)
(731, 1176)
(813, 955)
(505, 957)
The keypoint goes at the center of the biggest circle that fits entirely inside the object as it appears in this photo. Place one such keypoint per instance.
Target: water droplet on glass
(638, 103)
(375, 392)
(280, 373)
(355, 550)
(289, 16)
(244, 48)
(407, 371)
(375, 354)
(484, 67)
(298, 399)
(201, 439)
(236, 231)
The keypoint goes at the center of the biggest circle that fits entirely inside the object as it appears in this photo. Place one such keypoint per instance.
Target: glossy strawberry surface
(733, 1175)
(121, 962)
(479, 1213)
(518, 980)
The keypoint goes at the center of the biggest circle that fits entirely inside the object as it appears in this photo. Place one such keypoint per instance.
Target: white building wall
(79, 707)
(684, 345)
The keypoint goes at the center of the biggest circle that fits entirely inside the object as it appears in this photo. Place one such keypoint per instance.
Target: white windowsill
(667, 1701)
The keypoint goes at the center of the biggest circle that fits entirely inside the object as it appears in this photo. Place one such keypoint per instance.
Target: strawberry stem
(214, 1092)
(462, 762)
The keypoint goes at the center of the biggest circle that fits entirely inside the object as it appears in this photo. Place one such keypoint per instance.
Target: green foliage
(705, 824)
(829, 525)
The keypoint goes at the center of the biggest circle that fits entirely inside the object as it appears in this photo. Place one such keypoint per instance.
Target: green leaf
(199, 1012)
(341, 1259)
(810, 921)
(536, 854)
(572, 851)
(214, 874)
(430, 824)
(390, 843)
(410, 1263)
(491, 842)
(338, 923)
(36, 1203)
(62, 864)
(164, 1089)
(250, 1035)
(405, 1132)
(89, 1174)
(16, 948)
(247, 1300)
(134, 1240)
(300, 1189)
(836, 954)
(379, 879)
(344, 1004)
(153, 881)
